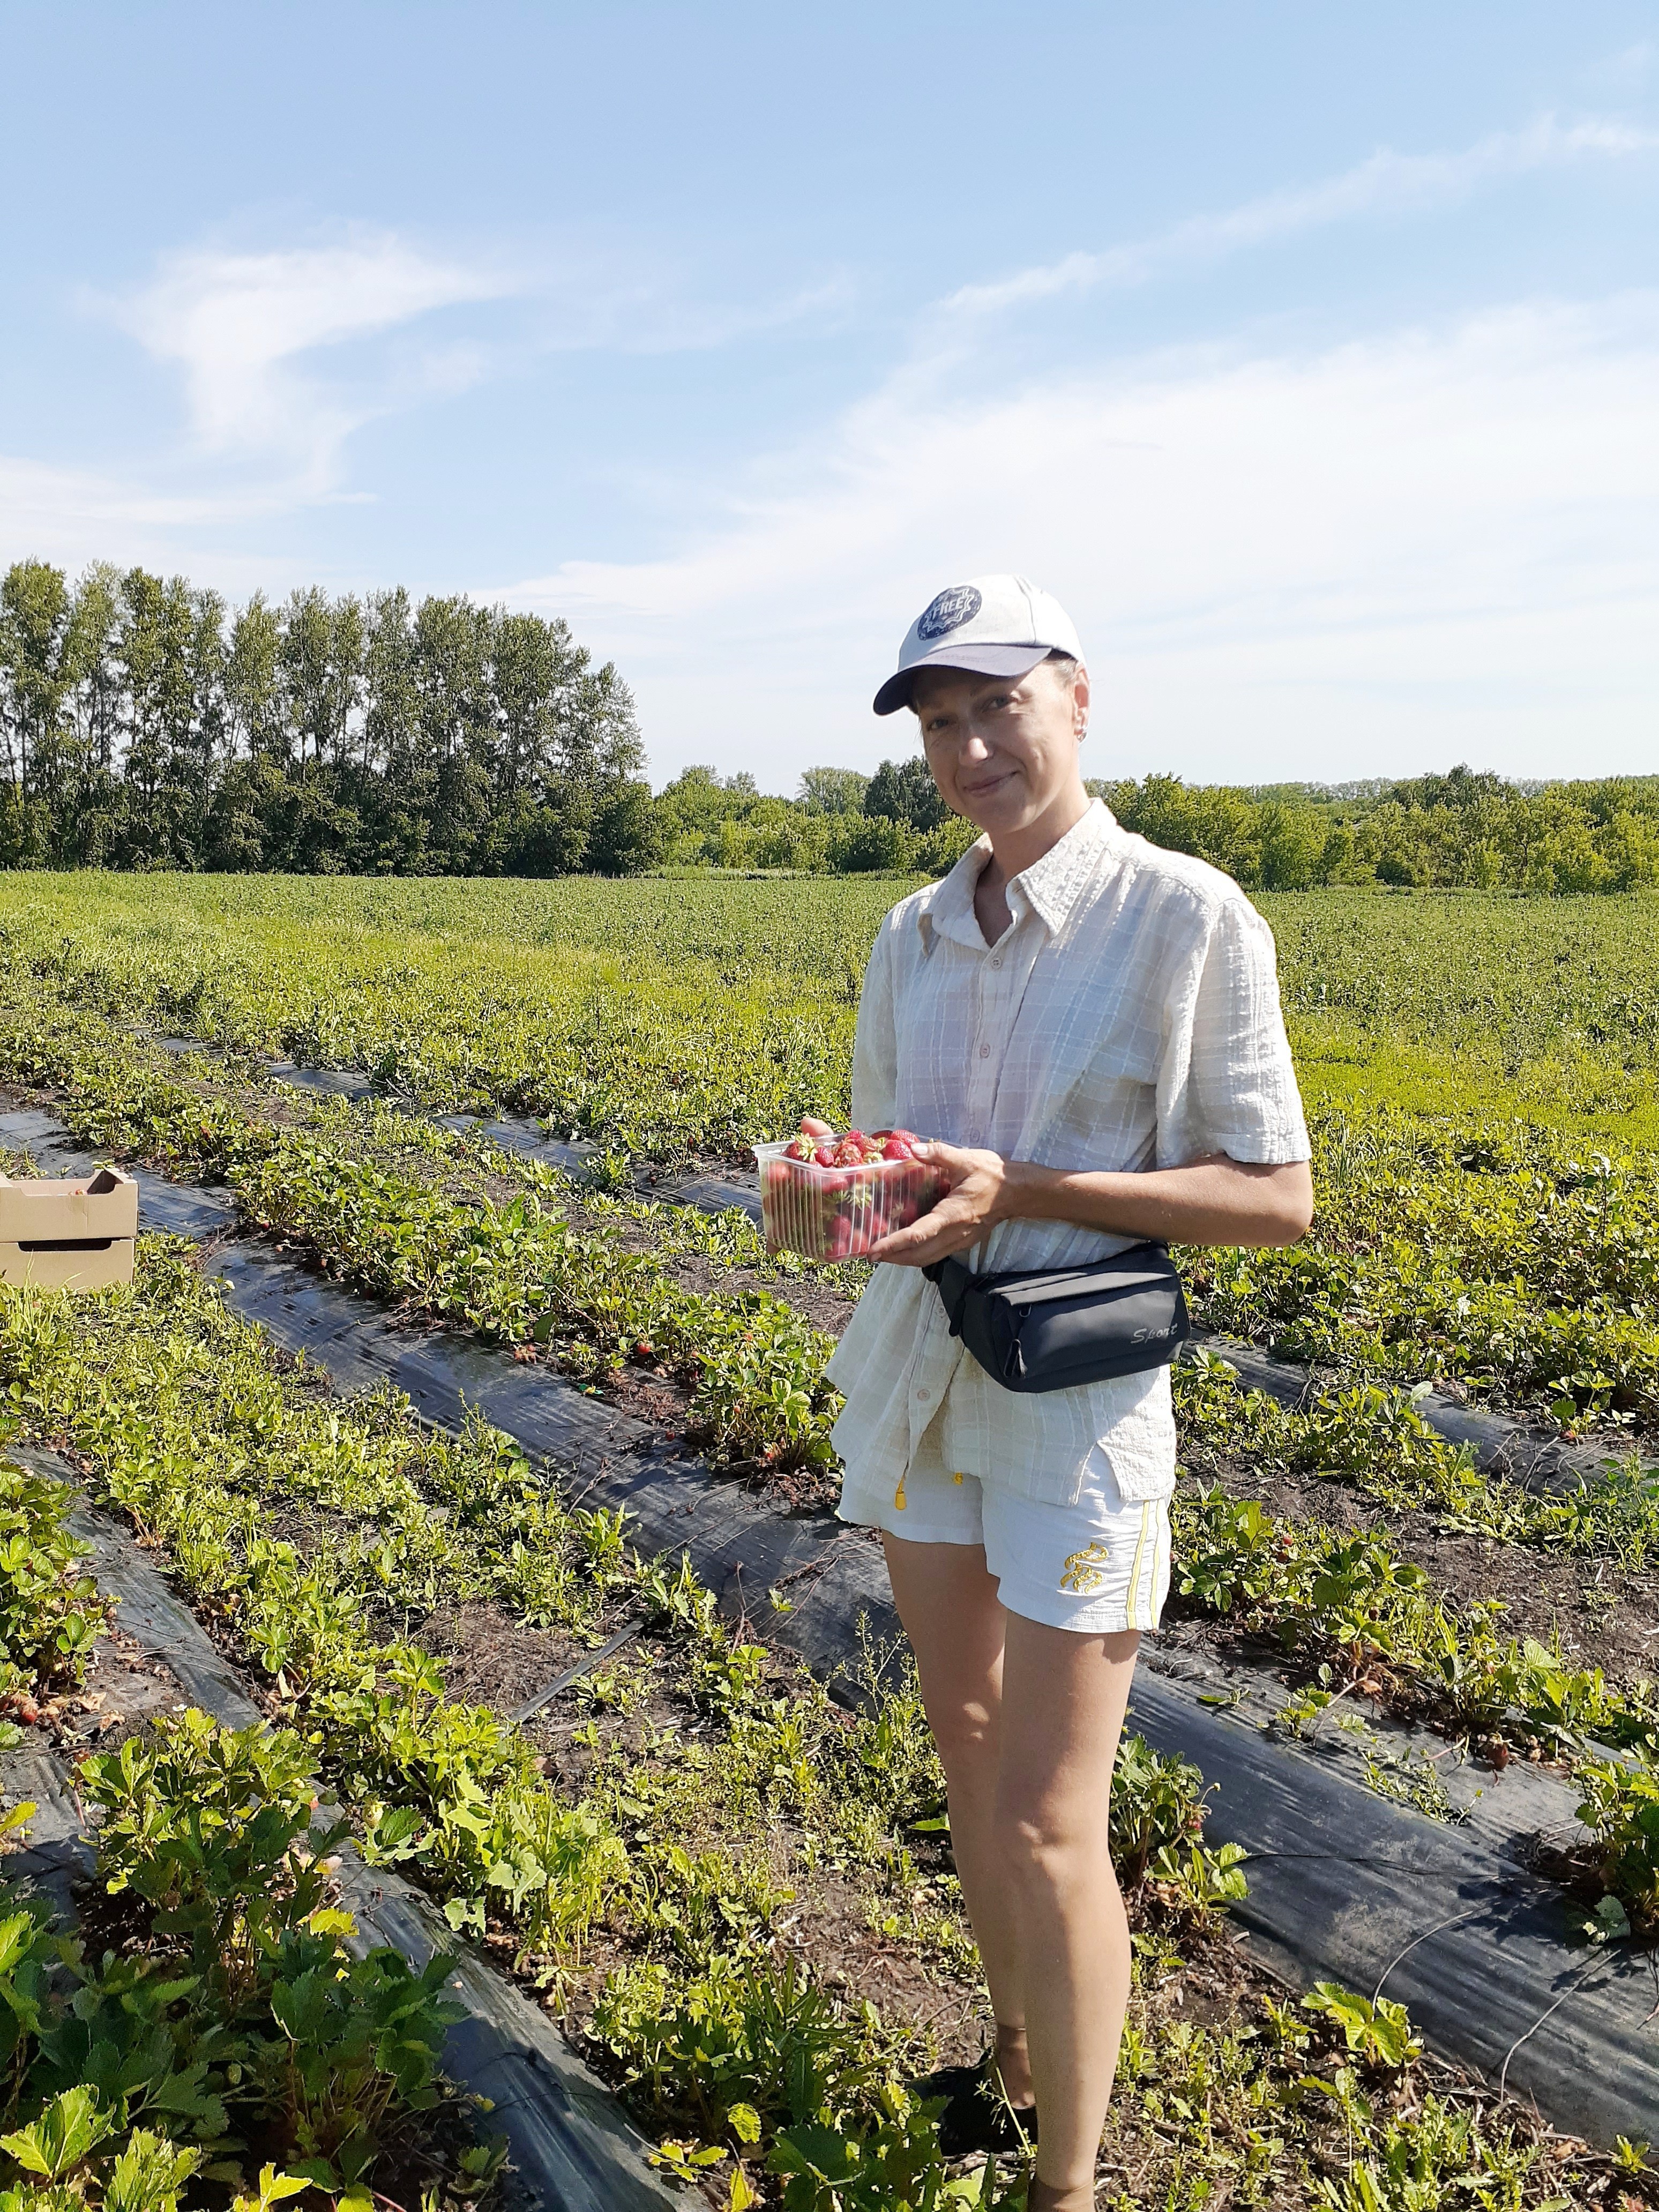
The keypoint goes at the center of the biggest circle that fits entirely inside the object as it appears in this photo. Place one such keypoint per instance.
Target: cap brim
(971, 659)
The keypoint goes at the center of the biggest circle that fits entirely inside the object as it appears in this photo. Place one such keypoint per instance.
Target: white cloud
(1433, 543)
(1385, 184)
(238, 325)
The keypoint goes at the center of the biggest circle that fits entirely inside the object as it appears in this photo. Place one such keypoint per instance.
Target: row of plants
(224, 2024)
(1372, 1439)
(1358, 1618)
(761, 2081)
(1501, 1257)
(234, 2027)
(514, 1272)
(518, 1271)
(669, 1060)
(372, 1192)
(704, 1015)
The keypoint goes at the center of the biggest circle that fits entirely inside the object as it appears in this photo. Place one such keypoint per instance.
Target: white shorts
(1099, 1566)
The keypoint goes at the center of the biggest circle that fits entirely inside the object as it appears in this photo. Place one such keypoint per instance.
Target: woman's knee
(1051, 1844)
(965, 1730)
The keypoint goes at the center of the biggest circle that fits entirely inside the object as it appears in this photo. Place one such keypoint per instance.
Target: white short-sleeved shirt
(1129, 1018)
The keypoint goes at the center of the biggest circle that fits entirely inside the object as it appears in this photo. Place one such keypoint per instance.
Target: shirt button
(997, 963)
(985, 1052)
(923, 1393)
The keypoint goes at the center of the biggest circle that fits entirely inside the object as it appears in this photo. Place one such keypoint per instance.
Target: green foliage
(1496, 1255)
(1359, 1615)
(324, 735)
(212, 1826)
(185, 1422)
(1435, 830)
(1377, 2030)
(51, 1613)
(1621, 1807)
(243, 2016)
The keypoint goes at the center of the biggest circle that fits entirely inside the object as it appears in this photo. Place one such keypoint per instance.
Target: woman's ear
(1080, 702)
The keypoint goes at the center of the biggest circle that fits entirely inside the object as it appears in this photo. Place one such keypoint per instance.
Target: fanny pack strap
(955, 1278)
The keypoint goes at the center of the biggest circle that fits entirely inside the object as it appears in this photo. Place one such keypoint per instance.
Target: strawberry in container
(831, 1197)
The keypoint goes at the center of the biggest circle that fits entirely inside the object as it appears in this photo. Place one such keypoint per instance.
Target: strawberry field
(724, 1874)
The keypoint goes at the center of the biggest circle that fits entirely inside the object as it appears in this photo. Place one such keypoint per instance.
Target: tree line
(145, 724)
(1462, 830)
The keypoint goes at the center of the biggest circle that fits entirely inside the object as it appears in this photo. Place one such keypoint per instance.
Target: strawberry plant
(51, 1613)
(239, 2014)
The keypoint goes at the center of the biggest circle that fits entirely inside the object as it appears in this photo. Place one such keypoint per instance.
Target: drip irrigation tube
(574, 2148)
(1343, 1885)
(583, 1667)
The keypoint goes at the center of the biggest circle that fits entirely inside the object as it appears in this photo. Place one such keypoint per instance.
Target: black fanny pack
(1052, 1331)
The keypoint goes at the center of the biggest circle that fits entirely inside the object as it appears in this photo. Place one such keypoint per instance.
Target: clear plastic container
(838, 1213)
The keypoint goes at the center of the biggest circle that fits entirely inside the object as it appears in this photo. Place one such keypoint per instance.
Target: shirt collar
(1050, 887)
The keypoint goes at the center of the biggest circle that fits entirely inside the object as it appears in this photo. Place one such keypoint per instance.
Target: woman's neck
(1013, 851)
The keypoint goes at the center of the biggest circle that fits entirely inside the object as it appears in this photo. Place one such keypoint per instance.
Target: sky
(1307, 352)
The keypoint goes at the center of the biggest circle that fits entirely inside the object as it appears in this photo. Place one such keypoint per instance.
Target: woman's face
(1003, 752)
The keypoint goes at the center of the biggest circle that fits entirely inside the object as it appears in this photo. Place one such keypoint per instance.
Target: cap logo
(949, 612)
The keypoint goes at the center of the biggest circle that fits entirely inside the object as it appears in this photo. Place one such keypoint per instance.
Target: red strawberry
(800, 1150)
(825, 1155)
(897, 1148)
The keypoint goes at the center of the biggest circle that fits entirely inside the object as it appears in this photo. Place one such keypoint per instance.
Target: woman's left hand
(977, 1199)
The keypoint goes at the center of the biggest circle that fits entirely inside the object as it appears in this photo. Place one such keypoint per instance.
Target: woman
(1091, 1028)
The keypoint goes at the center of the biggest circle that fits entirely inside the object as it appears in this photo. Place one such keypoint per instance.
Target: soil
(493, 1659)
(124, 1689)
(814, 1292)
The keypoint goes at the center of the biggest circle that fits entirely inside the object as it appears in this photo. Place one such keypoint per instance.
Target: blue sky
(1310, 352)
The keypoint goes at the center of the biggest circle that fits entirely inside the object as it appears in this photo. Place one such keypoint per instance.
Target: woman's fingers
(949, 1228)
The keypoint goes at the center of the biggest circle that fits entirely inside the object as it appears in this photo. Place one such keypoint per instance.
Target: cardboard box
(74, 1235)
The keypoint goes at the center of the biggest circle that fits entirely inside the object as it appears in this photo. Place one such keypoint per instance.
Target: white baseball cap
(991, 626)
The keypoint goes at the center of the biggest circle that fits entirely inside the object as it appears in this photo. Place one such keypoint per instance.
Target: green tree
(904, 791)
(34, 679)
(832, 791)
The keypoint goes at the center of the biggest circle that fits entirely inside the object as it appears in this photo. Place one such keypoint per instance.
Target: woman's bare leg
(1063, 1701)
(1027, 1720)
(956, 1624)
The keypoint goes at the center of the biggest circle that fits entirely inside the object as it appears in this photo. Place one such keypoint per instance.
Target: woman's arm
(1215, 1200)
(875, 1042)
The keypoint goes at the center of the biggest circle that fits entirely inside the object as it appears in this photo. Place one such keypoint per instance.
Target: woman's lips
(981, 790)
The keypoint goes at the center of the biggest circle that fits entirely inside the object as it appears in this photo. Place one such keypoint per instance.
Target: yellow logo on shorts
(1086, 1571)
